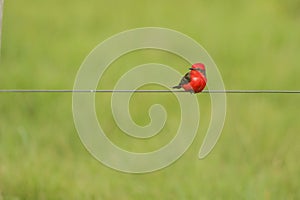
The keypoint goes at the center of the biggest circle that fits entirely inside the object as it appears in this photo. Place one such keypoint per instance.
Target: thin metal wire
(145, 91)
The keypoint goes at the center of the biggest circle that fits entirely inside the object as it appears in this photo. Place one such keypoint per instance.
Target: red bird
(195, 80)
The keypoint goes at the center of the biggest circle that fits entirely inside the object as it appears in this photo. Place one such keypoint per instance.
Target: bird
(195, 80)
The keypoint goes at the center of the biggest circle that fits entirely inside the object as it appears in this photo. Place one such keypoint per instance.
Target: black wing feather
(186, 79)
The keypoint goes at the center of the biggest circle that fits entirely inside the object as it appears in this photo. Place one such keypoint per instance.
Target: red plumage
(195, 80)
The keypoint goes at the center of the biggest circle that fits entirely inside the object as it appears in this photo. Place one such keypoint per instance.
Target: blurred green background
(256, 45)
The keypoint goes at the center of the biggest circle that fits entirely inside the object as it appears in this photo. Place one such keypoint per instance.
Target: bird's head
(199, 67)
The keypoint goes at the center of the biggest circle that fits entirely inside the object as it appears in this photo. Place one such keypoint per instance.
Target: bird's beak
(191, 68)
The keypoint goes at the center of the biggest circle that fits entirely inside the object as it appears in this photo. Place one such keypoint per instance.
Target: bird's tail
(177, 87)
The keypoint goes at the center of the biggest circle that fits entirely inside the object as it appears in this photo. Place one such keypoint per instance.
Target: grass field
(255, 44)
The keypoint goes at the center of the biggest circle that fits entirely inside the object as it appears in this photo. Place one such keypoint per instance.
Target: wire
(146, 91)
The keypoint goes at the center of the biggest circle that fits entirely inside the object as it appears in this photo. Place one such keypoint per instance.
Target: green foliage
(255, 45)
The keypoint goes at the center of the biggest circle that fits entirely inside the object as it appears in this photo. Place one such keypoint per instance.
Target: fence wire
(146, 91)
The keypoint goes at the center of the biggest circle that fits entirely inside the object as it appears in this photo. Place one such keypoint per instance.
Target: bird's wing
(186, 79)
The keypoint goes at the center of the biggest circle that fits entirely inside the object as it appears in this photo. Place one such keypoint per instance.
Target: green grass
(255, 45)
